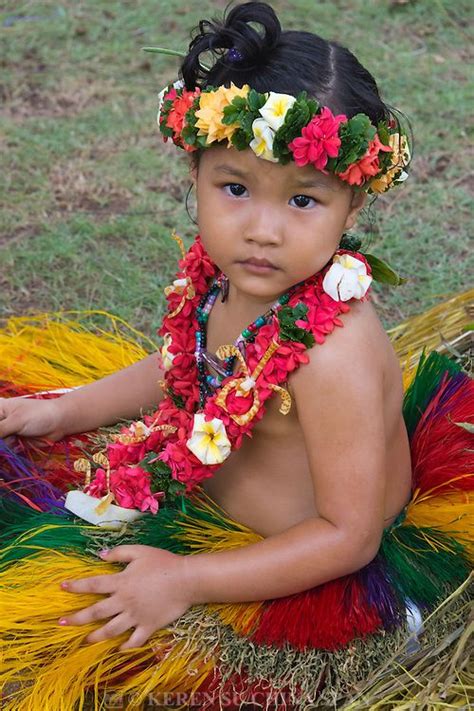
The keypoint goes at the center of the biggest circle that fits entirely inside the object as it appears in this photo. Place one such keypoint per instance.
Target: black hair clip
(234, 56)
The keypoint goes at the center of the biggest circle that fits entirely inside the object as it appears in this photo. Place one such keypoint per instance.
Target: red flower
(367, 166)
(131, 488)
(98, 486)
(319, 140)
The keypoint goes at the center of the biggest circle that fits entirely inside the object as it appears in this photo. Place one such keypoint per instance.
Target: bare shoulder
(359, 349)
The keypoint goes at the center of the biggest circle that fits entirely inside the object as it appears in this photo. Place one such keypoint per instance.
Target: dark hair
(269, 59)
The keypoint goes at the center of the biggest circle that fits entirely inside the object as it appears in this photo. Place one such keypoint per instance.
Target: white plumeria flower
(275, 109)
(167, 357)
(262, 143)
(209, 441)
(346, 279)
(179, 84)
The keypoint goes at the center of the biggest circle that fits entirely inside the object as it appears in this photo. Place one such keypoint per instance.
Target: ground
(89, 193)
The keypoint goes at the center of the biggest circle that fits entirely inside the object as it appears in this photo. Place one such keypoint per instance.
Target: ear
(358, 201)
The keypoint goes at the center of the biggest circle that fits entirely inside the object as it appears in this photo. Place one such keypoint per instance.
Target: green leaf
(383, 272)
(255, 100)
(288, 329)
(240, 140)
(350, 242)
(355, 136)
(164, 50)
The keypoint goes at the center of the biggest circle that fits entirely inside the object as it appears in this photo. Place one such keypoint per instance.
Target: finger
(117, 626)
(99, 611)
(100, 584)
(137, 639)
(121, 554)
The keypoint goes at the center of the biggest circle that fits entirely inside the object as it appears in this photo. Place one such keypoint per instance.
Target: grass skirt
(314, 648)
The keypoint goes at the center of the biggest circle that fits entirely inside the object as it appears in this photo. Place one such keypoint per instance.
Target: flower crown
(281, 127)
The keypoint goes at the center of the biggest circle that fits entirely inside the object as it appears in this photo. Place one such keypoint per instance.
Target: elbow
(367, 548)
(361, 549)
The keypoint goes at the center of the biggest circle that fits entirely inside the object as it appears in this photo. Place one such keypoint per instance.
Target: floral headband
(281, 128)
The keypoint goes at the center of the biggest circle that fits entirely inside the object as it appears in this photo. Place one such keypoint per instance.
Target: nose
(264, 226)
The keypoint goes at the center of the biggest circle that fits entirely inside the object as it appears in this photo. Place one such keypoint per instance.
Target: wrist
(195, 578)
(64, 416)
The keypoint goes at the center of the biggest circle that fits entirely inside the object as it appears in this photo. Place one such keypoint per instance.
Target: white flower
(100, 512)
(179, 84)
(275, 109)
(262, 143)
(209, 441)
(167, 357)
(346, 279)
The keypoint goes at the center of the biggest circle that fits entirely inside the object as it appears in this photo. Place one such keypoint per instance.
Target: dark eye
(302, 201)
(236, 189)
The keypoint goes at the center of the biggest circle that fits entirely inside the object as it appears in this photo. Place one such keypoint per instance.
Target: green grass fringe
(428, 376)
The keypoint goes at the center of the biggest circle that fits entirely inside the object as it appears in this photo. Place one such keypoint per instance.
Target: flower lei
(170, 452)
(281, 127)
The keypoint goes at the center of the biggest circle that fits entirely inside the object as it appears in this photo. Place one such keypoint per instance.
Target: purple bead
(234, 56)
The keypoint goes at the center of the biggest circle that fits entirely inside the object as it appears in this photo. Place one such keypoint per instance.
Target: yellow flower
(399, 159)
(275, 108)
(211, 112)
(209, 441)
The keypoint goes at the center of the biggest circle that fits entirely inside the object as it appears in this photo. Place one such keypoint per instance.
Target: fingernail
(65, 585)
(62, 621)
(104, 553)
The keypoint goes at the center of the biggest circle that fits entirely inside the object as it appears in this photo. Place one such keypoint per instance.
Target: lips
(263, 263)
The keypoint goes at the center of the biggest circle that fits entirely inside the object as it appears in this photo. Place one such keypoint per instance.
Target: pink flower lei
(157, 447)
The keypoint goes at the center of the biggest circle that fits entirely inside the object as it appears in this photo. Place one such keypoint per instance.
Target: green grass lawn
(90, 194)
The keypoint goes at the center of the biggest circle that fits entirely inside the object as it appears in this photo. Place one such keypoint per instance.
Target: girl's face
(269, 226)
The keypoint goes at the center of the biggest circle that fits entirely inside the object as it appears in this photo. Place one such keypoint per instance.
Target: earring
(186, 204)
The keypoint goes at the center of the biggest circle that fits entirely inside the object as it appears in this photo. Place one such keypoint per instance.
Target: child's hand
(27, 417)
(150, 593)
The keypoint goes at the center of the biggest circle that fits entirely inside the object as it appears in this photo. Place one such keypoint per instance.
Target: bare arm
(122, 395)
(344, 434)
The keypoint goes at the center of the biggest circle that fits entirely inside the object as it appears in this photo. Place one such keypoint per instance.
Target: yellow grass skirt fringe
(68, 349)
(71, 348)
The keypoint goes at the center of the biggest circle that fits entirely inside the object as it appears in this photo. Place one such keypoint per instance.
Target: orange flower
(368, 166)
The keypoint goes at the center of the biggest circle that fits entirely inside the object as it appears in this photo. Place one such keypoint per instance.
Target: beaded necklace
(208, 383)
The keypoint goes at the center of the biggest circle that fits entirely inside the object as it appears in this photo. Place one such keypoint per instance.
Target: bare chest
(273, 462)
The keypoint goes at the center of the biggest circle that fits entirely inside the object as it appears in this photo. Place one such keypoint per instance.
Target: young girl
(278, 466)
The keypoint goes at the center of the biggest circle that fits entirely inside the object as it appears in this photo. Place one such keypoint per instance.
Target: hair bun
(252, 30)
